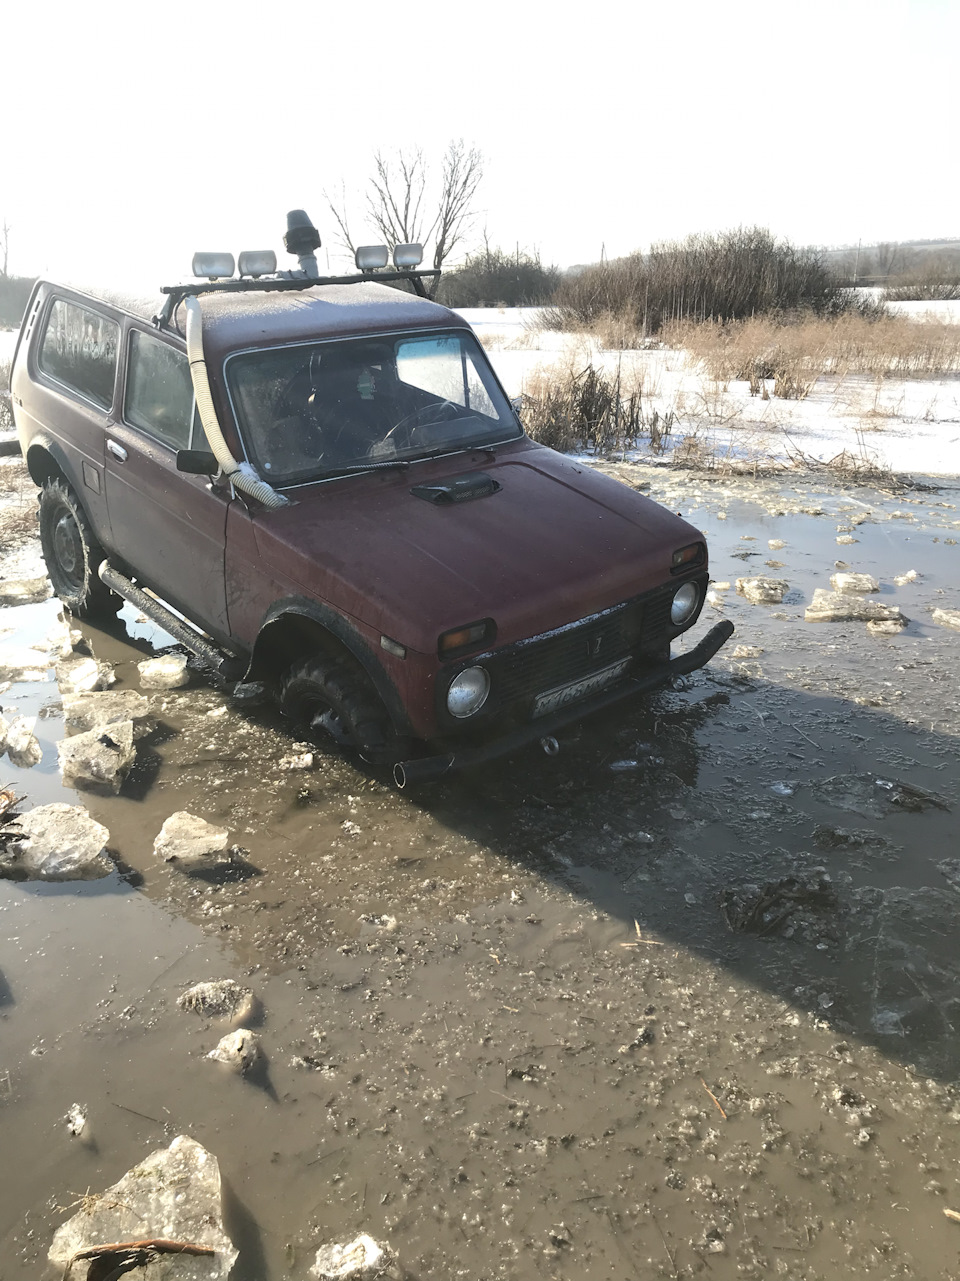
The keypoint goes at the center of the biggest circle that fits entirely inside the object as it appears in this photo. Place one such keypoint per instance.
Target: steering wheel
(402, 432)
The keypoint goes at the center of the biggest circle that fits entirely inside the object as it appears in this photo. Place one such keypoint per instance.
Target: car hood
(557, 542)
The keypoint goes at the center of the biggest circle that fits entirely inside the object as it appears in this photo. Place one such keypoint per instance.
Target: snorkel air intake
(241, 475)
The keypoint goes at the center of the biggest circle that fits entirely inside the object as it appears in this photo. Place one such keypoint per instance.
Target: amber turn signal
(463, 639)
(686, 556)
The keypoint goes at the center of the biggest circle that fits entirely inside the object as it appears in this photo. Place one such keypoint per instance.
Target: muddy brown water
(508, 1026)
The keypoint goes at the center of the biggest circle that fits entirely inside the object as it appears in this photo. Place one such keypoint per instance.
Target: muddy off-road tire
(72, 553)
(336, 701)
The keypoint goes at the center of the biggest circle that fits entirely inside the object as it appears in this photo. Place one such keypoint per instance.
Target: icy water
(680, 1000)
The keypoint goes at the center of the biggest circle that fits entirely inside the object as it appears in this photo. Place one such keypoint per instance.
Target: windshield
(310, 411)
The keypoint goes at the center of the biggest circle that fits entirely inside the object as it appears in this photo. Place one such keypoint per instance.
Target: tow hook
(550, 745)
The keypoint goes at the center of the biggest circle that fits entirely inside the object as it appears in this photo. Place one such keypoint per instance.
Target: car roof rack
(175, 294)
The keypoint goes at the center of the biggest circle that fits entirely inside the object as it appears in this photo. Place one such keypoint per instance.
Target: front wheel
(72, 553)
(338, 702)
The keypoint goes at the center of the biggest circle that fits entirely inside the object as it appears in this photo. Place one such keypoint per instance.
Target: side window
(443, 367)
(80, 350)
(159, 395)
(433, 365)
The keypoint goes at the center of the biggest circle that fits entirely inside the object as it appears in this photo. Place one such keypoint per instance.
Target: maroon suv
(327, 483)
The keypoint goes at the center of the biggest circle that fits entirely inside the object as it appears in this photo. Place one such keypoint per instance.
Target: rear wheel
(336, 701)
(72, 553)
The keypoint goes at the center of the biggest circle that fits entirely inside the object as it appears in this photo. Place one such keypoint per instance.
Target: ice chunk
(169, 671)
(96, 710)
(22, 746)
(360, 1260)
(762, 591)
(192, 844)
(837, 607)
(854, 583)
(238, 1050)
(99, 759)
(219, 999)
(172, 1196)
(58, 843)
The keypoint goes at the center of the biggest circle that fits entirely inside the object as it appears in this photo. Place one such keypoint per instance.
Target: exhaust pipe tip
(422, 770)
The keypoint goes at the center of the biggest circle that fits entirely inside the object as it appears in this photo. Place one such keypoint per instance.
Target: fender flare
(345, 634)
(41, 442)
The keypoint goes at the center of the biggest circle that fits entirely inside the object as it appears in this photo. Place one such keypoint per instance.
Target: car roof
(234, 321)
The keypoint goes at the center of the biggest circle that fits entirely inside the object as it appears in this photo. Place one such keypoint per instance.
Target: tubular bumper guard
(424, 768)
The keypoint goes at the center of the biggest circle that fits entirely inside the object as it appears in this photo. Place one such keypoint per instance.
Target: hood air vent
(458, 489)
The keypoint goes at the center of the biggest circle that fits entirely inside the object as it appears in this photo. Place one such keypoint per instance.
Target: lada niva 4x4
(320, 484)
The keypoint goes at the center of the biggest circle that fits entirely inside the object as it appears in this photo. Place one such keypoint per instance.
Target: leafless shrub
(724, 277)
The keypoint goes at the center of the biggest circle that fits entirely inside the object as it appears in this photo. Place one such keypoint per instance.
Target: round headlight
(468, 692)
(685, 602)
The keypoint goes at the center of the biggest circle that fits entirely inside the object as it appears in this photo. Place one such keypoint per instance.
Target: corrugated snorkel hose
(239, 474)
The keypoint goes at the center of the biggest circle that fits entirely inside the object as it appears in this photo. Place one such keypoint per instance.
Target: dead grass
(858, 465)
(583, 408)
(795, 355)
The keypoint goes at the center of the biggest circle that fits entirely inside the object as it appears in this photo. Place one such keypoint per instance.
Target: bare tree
(339, 210)
(395, 199)
(401, 199)
(888, 257)
(462, 171)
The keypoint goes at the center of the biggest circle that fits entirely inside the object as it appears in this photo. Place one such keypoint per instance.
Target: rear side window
(159, 396)
(80, 350)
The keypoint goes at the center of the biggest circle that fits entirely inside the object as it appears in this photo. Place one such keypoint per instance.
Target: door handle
(118, 451)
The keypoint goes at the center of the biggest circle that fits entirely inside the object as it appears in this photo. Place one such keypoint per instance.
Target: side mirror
(199, 462)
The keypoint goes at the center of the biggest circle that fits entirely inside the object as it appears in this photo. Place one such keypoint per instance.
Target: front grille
(521, 672)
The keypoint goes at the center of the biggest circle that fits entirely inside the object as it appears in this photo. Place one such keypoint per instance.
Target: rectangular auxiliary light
(257, 262)
(370, 257)
(407, 256)
(213, 265)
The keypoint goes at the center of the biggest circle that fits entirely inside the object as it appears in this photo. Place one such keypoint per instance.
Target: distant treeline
(923, 271)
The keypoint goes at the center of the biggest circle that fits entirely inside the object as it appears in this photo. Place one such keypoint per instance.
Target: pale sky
(136, 134)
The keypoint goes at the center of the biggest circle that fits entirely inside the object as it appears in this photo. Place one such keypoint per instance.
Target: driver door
(168, 527)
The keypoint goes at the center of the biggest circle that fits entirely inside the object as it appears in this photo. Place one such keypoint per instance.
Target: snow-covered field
(904, 424)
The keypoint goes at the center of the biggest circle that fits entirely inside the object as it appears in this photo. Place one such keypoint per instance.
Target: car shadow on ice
(797, 840)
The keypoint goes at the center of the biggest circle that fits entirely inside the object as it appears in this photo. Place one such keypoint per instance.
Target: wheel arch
(298, 627)
(46, 461)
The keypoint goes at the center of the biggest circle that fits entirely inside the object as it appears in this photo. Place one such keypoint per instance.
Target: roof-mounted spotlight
(370, 257)
(407, 256)
(303, 240)
(257, 262)
(213, 266)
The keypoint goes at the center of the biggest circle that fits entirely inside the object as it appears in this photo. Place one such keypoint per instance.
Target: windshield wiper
(365, 467)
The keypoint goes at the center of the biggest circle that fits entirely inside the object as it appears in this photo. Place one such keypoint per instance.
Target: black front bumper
(424, 768)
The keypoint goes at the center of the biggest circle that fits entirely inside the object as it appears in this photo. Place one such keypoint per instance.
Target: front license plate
(554, 699)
